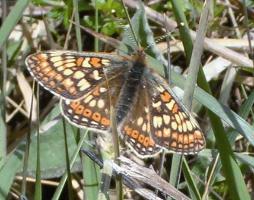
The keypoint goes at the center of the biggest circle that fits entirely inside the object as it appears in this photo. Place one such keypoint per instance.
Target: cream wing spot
(166, 119)
(160, 88)
(58, 63)
(157, 121)
(96, 75)
(92, 103)
(178, 120)
(144, 127)
(78, 75)
(140, 121)
(181, 115)
(67, 72)
(146, 109)
(166, 132)
(189, 125)
(184, 115)
(69, 65)
(56, 58)
(157, 104)
(70, 58)
(86, 63)
(102, 89)
(60, 68)
(180, 128)
(100, 103)
(174, 125)
(68, 82)
(88, 98)
(184, 127)
(170, 105)
(193, 122)
(83, 84)
(105, 62)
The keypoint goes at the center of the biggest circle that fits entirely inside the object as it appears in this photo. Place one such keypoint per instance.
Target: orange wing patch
(146, 141)
(95, 62)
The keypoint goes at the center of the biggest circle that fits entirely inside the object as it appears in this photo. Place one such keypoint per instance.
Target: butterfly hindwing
(93, 110)
(71, 75)
(136, 127)
(172, 126)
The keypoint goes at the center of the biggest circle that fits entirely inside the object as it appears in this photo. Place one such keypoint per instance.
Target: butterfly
(149, 116)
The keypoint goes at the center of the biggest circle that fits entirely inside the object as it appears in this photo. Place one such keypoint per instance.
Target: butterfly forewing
(172, 126)
(69, 74)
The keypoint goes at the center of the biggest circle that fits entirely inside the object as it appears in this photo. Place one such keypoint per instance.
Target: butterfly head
(139, 56)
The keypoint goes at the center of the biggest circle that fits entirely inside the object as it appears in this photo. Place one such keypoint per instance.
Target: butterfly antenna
(131, 28)
(126, 28)
(169, 67)
(157, 40)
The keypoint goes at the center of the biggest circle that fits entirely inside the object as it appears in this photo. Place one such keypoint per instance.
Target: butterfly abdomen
(129, 90)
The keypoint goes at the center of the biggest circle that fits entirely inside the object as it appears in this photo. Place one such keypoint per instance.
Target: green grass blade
(77, 21)
(183, 27)
(194, 192)
(3, 135)
(247, 106)
(67, 160)
(247, 159)
(96, 15)
(8, 172)
(27, 148)
(196, 57)
(11, 20)
(91, 175)
(3, 143)
(64, 177)
(230, 167)
(38, 192)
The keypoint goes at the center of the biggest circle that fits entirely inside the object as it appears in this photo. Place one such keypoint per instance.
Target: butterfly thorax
(129, 91)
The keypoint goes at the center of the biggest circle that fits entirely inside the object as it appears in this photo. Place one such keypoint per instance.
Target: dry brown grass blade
(27, 93)
(108, 40)
(233, 44)
(18, 108)
(136, 176)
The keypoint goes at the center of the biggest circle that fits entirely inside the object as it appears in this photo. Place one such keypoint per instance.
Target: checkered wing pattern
(71, 75)
(172, 126)
(136, 128)
(89, 83)
(93, 110)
